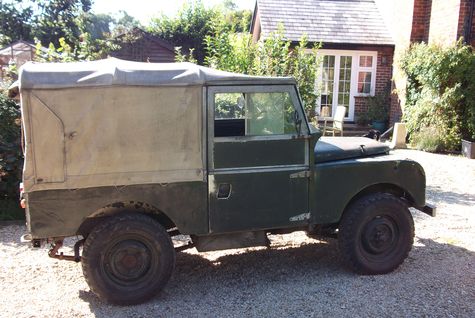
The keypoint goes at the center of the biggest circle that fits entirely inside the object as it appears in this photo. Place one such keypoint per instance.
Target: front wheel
(376, 234)
(128, 259)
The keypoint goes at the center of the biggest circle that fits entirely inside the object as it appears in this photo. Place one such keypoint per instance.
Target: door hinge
(301, 174)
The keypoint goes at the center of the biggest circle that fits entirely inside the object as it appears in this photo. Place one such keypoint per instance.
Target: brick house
(140, 46)
(369, 33)
(431, 21)
(357, 46)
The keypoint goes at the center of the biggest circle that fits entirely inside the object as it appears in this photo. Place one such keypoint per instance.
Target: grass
(10, 210)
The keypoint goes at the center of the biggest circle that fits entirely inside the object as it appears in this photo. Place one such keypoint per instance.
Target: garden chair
(337, 122)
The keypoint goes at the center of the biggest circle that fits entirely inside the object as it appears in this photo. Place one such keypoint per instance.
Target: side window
(366, 71)
(253, 114)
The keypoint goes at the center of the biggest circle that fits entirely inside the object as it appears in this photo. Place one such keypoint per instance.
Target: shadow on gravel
(438, 194)
(437, 277)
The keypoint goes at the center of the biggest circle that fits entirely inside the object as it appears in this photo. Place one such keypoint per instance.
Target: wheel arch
(388, 188)
(124, 207)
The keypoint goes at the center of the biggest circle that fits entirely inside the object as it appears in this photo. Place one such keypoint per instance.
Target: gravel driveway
(297, 277)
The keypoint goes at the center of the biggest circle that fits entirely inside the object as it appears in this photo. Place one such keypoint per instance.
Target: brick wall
(400, 21)
(383, 76)
(444, 21)
(429, 21)
(465, 14)
(421, 20)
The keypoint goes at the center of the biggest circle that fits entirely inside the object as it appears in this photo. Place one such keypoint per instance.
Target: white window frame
(355, 69)
(371, 69)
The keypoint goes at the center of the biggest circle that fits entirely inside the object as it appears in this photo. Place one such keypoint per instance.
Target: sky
(141, 9)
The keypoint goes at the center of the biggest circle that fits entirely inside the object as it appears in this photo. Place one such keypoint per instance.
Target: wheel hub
(129, 260)
(378, 236)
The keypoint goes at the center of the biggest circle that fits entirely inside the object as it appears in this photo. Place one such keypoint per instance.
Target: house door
(258, 158)
(337, 90)
(344, 75)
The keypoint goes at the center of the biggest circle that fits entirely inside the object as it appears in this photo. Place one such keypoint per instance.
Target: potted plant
(379, 108)
(361, 119)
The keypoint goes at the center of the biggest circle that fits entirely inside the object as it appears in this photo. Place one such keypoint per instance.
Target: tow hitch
(58, 244)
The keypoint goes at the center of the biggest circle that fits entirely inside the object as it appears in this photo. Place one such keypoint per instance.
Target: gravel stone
(297, 277)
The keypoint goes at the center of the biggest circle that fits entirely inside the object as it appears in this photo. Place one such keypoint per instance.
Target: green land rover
(125, 155)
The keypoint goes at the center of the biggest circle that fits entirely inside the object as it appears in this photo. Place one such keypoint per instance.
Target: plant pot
(380, 125)
(468, 148)
(360, 123)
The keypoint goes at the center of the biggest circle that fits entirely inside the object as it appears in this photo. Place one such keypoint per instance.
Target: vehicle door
(258, 158)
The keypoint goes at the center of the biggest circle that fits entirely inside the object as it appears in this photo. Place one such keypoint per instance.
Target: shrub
(11, 155)
(428, 139)
(272, 56)
(440, 91)
(10, 210)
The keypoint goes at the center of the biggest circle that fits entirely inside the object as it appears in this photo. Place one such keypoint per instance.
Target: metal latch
(301, 174)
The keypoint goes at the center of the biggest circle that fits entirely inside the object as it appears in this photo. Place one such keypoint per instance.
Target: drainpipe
(469, 38)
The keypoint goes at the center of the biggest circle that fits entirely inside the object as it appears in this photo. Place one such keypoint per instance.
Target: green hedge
(440, 91)
(11, 156)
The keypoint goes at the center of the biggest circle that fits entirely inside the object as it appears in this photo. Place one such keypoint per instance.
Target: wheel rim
(380, 238)
(129, 262)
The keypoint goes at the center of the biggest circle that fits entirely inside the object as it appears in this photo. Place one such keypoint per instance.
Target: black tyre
(128, 259)
(376, 234)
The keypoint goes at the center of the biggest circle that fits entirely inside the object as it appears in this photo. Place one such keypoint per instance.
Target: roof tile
(334, 21)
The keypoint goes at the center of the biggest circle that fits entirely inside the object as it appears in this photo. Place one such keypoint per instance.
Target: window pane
(366, 61)
(328, 77)
(368, 78)
(345, 62)
(239, 114)
(269, 113)
(361, 77)
(360, 87)
(229, 105)
(369, 61)
(348, 74)
(364, 82)
(342, 74)
(367, 88)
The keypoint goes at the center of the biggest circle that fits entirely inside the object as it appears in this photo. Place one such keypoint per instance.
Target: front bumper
(428, 209)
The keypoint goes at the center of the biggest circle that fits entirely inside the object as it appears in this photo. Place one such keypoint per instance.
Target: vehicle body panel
(58, 213)
(336, 183)
(114, 136)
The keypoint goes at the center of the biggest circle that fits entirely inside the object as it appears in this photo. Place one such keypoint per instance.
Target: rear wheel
(376, 234)
(128, 259)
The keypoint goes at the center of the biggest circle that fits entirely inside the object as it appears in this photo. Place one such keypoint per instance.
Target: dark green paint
(258, 153)
(336, 183)
(260, 200)
(57, 213)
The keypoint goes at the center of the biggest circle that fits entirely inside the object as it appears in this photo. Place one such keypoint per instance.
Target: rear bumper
(26, 239)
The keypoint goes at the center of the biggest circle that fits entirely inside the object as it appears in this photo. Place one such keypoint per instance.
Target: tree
(16, 23)
(125, 23)
(188, 28)
(98, 25)
(58, 19)
(272, 56)
(239, 20)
